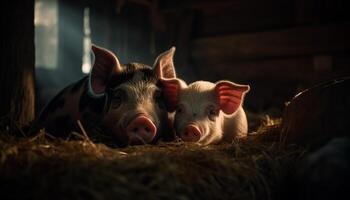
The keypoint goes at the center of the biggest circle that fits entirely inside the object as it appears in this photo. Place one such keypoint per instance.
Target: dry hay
(44, 168)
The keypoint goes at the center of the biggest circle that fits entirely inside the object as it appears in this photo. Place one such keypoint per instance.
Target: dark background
(279, 47)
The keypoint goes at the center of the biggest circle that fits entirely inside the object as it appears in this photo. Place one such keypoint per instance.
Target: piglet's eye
(212, 112)
(180, 109)
(117, 98)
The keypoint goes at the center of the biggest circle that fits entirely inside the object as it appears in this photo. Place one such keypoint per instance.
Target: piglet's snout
(141, 130)
(191, 133)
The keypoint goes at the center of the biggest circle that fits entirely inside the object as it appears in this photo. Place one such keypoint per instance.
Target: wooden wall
(278, 47)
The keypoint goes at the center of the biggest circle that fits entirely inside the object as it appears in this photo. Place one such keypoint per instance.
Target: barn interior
(279, 48)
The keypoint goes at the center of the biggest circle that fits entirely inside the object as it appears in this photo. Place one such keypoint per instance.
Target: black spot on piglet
(93, 104)
(78, 85)
(56, 103)
(61, 126)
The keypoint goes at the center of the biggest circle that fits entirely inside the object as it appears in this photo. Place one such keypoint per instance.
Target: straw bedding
(41, 167)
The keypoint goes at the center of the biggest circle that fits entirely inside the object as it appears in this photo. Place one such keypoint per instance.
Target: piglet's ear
(164, 65)
(106, 64)
(171, 89)
(230, 95)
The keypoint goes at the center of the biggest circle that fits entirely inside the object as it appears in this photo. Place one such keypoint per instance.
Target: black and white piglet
(122, 100)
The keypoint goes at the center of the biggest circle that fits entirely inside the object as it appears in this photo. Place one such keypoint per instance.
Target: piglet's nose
(141, 130)
(191, 133)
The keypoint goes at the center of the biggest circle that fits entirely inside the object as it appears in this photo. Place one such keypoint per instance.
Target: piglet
(205, 112)
(122, 100)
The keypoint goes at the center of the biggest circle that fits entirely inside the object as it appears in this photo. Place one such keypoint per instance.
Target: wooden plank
(231, 23)
(305, 12)
(297, 41)
(273, 82)
(300, 69)
(245, 16)
(321, 12)
(341, 62)
(287, 68)
(183, 39)
(17, 101)
(217, 6)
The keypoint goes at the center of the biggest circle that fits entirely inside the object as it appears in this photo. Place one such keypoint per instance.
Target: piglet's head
(136, 112)
(200, 106)
(107, 65)
(229, 95)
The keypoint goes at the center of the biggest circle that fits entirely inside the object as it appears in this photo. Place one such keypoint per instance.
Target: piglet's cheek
(112, 128)
(119, 135)
(179, 124)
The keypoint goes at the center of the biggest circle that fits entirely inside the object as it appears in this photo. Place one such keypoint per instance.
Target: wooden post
(17, 63)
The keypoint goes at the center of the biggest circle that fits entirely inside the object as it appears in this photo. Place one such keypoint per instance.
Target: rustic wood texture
(17, 62)
(274, 81)
(321, 11)
(310, 68)
(220, 18)
(291, 42)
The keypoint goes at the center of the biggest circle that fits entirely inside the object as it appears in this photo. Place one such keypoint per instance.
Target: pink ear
(171, 89)
(164, 65)
(106, 64)
(230, 95)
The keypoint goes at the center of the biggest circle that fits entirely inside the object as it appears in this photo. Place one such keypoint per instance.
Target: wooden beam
(141, 2)
(217, 6)
(274, 81)
(297, 41)
(204, 6)
(183, 39)
(286, 68)
(17, 64)
(244, 16)
(238, 22)
(302, 69)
